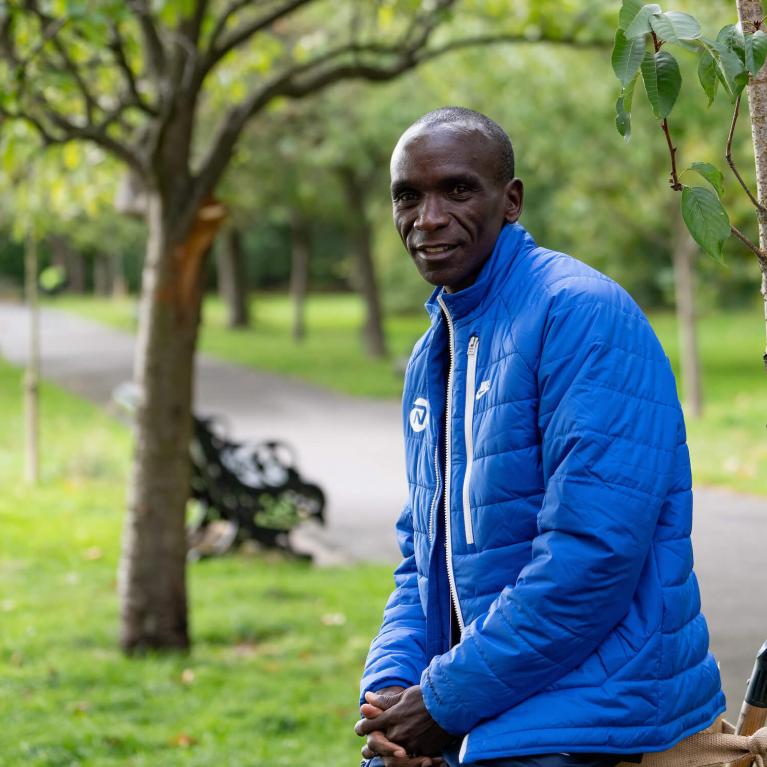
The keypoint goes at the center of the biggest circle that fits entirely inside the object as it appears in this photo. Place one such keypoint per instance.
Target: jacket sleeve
(397, 655)
(609, 422)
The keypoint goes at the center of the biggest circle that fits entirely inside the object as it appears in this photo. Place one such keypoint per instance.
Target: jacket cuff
(444, 708)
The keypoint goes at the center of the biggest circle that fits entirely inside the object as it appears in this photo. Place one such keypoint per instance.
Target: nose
(431, 214)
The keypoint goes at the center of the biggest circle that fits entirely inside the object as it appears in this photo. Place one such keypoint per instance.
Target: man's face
(449, 205)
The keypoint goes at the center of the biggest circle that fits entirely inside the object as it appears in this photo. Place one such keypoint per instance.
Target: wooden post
(32, 375)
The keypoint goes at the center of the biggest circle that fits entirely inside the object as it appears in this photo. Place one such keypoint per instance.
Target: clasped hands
(400, 729)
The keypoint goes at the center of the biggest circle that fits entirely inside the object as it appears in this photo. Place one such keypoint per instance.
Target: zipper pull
(473, 344)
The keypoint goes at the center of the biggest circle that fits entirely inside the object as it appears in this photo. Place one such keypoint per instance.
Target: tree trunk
(299, 271)
(233, 279)
(102, 278)
(32, 374)
(72, 261)
(684, 249)
(750, 14)
(119, 283)
(362, 242)
(151, 575)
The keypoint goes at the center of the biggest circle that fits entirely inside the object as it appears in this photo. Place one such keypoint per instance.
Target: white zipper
(448, 407)
(468, 423)
(435, 499)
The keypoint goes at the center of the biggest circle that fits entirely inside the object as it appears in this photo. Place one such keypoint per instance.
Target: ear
(514, 193)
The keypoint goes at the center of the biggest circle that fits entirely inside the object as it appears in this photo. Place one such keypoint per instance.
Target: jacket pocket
(468, 426)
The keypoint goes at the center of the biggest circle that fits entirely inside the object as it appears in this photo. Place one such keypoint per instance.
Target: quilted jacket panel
(568, 518)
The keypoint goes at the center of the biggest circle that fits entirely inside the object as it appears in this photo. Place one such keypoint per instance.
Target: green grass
(728, 445)
(279, 646)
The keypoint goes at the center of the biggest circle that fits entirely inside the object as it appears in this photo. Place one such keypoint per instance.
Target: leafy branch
(728, 61)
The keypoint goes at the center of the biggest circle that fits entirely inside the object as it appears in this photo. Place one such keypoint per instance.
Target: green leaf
(731, 37)
(627, 56)
(662, 81)
(640, 24)
(623, 119)
(707, 74)
(712, 174)
(673, 27)
(628, 12)
(706, 219)
(628, 93)
(733, 70)
(755, 51)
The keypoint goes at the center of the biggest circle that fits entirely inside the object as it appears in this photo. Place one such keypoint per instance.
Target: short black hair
(461, 117)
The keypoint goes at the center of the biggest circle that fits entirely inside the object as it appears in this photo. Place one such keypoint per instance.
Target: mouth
(435, 252)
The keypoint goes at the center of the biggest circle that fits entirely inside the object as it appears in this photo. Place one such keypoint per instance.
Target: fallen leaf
(93, 553)
(187, 676)
(182, 740)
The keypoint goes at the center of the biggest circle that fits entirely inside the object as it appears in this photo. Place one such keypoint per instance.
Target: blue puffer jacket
(565, 513)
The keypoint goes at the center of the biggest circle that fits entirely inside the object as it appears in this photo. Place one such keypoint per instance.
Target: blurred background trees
(224, 111)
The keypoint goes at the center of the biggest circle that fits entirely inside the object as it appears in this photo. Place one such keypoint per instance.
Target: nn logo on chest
(419, 415)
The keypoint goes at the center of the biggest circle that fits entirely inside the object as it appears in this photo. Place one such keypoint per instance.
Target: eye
(460, 190)
(404, 196)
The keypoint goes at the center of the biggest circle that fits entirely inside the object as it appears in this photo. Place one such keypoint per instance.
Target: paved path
(353, 448)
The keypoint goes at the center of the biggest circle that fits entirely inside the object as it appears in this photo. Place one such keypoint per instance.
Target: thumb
(369, 711)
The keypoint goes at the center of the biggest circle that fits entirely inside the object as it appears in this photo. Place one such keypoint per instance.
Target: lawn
(728, 445)
(272, 679)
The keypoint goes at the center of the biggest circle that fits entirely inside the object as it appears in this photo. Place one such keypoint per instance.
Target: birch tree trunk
(32, 374)
(683, 249)
(151, 575)
(750, 14)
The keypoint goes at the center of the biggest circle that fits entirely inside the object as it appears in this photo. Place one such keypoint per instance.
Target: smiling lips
(434, 251)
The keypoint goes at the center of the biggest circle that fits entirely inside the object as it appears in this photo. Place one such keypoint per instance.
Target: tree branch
(46, 136)
(750, 245)
(333, 66)
(245, 31)
(93, 133)
(90, 102)
(154, 47)
(674, 179)
(117, 46)
(731, 162)
(191, 26)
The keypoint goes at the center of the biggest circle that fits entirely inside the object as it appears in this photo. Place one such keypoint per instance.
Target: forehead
(428, 152)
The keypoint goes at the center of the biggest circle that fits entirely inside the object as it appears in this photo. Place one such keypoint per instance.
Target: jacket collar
(508, 245)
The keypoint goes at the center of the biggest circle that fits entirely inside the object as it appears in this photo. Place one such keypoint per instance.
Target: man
(546, 603)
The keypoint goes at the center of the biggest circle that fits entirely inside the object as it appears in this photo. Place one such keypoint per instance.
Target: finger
(384, 701)
(369, 711)
(366, 726)
(379, 744)
(367, 753)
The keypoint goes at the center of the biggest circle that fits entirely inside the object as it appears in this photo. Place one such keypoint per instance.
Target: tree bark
(32, 373)
(102, 277)
(750, 14)
(299, 271)
(151, 575)
(362, 243)
(684, 249)
(233, 279)
(119, 283)
(72, 261)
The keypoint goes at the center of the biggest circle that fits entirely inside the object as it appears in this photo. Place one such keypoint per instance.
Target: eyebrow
(469, 179)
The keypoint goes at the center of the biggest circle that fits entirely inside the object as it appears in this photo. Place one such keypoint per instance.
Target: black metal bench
(246, 491)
